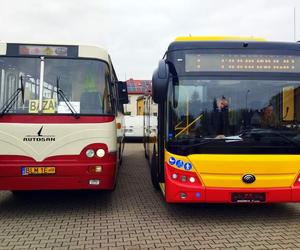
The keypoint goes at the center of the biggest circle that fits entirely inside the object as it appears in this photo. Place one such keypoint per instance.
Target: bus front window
(12, 70)
(235, 116)
(84, 83)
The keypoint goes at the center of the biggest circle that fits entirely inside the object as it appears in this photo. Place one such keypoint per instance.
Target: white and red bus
(60, 117)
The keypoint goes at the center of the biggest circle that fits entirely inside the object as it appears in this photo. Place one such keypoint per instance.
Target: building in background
(140, 105)
(139, 96)
(137, 89)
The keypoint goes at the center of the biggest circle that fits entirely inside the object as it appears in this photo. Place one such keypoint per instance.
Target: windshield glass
(85, 83)
(234, 116)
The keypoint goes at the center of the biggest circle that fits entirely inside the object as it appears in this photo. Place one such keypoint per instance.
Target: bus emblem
(40, 131)
(39, 137)
(248, 178)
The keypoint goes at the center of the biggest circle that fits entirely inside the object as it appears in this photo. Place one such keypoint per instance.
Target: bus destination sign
(43, 50)
(242, 63)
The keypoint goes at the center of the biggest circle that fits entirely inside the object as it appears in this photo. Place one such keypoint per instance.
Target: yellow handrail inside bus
(187, 127)
(177, 126)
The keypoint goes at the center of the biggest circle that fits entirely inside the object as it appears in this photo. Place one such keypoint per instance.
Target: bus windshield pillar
(41, 84)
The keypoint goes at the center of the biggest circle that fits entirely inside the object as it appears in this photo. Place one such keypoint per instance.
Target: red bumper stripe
(48, 119)
(71, 171)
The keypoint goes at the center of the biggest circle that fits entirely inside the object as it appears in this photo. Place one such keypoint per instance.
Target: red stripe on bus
(55, 119)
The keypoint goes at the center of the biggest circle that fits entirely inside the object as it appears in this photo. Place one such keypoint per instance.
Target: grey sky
(137, 32)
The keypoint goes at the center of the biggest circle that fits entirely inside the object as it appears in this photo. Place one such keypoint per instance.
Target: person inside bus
(90, 99)
(266, 119)
(195, 110)
(220, 118)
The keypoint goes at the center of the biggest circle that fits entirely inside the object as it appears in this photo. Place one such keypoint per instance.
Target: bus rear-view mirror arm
(160, 80)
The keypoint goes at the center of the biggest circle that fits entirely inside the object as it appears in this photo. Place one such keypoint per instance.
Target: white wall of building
(132, 105)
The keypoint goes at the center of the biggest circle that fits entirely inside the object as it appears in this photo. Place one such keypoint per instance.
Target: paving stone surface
(135, 216)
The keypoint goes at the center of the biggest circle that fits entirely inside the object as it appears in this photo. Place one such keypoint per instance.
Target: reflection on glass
(231, 115)
(84, 82)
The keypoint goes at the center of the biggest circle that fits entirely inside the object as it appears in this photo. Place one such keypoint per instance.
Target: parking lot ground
(135, 216)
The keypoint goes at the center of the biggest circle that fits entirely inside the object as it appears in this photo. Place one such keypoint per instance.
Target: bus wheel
(114, 187)
(120, 157)
(145, 150)
(146, 155)
(154, 171)
(19, 193)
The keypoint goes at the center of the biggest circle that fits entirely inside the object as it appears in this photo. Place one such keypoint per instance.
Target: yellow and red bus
(228, 121)
(60, 117)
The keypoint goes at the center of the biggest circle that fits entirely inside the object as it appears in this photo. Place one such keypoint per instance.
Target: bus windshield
(234, 116)
(85, 83)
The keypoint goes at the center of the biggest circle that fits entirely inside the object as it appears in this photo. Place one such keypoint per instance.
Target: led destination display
(242, 63)
(43, 50)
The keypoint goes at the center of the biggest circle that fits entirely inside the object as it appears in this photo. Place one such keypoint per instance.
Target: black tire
(20, 193)
(146, 155)
(114, 187)
(121, 150)
(145, 151)
(154, 171)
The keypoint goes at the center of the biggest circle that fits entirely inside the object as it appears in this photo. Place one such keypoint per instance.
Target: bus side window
(2, 77)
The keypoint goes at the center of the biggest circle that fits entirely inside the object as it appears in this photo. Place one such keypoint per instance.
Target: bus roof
(82, 51)
(238, 44)
(218, 38)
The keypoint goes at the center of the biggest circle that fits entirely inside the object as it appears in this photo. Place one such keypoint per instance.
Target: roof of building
(139, 87)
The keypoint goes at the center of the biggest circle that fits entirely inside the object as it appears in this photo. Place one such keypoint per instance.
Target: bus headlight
(90, 153)
(174, 176)
(100, 152)
(192, 179)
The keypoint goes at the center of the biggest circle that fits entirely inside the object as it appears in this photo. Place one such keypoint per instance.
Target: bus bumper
(56, 183)
(177, 194)
(69, 174)
(178, 191)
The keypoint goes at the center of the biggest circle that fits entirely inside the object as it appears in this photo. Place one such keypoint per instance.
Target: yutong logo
(39, 137)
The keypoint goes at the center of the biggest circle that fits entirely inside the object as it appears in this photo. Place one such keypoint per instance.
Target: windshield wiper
(266, 132)
(284, 137)
(13, 99)
(61, 93)
(288, 139)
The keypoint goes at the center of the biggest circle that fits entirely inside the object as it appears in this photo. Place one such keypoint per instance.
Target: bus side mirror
(122, 92)
(160, 80)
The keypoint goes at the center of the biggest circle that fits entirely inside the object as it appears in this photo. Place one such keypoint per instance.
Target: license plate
(38, 170)
(248, 197)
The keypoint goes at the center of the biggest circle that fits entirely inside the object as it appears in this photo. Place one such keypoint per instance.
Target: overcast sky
(137, 32)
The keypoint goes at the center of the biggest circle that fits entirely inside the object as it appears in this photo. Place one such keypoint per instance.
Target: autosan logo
(39, 137)
(40, 131)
